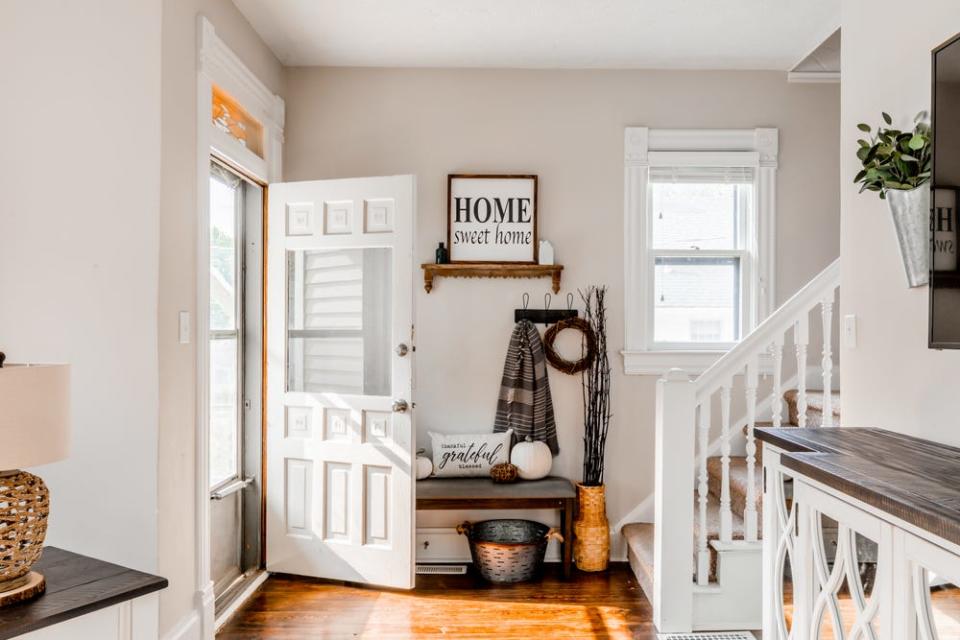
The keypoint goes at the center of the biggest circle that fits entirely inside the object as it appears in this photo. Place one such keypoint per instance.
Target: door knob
(400, 406)
(402, 349)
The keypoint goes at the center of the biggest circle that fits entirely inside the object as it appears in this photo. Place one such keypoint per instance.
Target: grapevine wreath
(589, 340)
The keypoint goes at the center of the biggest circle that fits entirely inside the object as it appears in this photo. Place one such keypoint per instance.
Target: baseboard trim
(187, 629)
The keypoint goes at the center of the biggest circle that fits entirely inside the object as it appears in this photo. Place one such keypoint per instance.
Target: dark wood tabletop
(915, 480)
(76, 585)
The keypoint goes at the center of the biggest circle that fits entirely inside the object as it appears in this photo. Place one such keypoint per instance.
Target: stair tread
(815, 399)
(640, 541)
(640, 535)
(713, 520)
(738, 481)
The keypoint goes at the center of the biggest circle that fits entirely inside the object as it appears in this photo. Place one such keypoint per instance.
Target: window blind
(702, 175)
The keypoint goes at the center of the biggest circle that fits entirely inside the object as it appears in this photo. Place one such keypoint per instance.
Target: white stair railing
(683, 429)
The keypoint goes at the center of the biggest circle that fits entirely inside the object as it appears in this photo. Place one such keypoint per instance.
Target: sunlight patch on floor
(471, 617)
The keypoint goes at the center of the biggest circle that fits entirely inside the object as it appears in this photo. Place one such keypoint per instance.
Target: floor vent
(708, 635)
(441, 569)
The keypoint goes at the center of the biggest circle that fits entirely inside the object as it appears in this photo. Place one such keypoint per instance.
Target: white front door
(340, 491)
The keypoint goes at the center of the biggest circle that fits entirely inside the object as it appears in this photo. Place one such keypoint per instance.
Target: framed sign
(492, 218)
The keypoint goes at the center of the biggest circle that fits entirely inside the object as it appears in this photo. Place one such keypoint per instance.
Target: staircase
(699, 562)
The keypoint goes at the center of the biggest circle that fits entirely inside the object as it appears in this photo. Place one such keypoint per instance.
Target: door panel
(340, 492)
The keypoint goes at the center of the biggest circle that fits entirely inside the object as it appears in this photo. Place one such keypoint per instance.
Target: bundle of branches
(596, 390)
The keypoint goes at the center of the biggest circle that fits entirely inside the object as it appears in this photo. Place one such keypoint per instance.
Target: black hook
(546, 301)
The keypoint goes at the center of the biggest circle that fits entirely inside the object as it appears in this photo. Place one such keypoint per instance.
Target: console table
(86, 599)
(483, 493)
(901, 494)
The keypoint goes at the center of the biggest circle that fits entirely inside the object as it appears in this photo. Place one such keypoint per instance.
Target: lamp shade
(34, 414)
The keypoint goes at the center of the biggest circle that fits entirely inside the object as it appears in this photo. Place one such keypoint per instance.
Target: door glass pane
(339, 321)
(223, 254)
(223, 410)
(698, 215)
(697, 300)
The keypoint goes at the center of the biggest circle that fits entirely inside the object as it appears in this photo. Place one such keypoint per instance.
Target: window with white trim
(699, 226)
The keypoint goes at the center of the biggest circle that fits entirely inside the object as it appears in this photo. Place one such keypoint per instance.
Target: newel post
(674, 515)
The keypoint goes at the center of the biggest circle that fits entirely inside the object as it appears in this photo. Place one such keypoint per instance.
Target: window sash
(701, 164)
(746, 220)
(235, 332)
(742, 311)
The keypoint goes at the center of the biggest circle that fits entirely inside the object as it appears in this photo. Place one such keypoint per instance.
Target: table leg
(566, 525)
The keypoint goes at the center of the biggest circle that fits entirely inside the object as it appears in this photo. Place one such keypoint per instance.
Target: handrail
(759, 340)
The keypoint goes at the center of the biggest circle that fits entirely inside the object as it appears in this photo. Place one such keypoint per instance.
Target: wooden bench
(483, 493)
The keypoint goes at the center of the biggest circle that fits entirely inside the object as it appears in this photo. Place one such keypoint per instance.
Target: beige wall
(890, 379)
(79, 172)
(178, 234)
(567, 127)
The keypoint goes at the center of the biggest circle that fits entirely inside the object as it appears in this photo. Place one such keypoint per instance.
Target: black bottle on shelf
(442, 256)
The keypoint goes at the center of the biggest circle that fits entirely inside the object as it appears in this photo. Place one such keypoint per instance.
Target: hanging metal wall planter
(910, 210)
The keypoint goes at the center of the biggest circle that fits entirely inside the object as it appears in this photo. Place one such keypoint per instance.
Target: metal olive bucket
(506, 551)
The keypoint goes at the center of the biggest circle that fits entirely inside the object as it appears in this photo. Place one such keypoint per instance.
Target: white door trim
(218, 64)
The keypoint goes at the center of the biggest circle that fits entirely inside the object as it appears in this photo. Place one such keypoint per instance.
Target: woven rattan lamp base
(33, 586)
(24, 507)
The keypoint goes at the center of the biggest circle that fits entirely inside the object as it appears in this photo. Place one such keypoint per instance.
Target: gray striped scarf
(525, 404)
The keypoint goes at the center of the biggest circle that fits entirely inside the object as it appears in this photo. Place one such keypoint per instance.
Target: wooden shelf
(492, 270)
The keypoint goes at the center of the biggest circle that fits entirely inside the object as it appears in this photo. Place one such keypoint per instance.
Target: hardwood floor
(604, 605)
(589, 606)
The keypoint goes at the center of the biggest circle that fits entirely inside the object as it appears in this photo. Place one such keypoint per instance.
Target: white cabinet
(835, 566)
(131, 620)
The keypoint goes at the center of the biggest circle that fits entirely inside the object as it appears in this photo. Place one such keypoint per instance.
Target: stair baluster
(703, 491)
(750, 513)
(826, 364)
(801, 338)
(676, 580)
(726, 515)
(776, 400)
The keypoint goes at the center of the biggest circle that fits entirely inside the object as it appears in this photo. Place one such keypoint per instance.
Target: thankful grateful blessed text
(469, 455)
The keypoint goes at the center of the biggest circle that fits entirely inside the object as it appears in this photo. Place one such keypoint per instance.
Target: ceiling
(660, 34)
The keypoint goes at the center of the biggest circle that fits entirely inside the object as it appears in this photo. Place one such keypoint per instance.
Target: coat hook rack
(545, 315)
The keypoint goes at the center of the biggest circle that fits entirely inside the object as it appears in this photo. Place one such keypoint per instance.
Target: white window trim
(218, 64)
(643, 148)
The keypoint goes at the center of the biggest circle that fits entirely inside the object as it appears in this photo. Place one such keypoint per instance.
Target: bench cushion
(484, 488)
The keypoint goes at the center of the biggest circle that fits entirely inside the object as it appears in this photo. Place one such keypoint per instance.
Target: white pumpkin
(424, 467)
(532, 459)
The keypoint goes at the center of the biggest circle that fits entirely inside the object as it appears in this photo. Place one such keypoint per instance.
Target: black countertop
(76, 585)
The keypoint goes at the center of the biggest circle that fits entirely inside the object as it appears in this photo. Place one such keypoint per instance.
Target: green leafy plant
(894, 159)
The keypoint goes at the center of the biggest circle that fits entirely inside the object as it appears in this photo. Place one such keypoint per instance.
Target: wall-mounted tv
(945, 183)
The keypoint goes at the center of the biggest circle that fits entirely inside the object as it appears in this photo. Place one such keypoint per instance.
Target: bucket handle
(465, 529)
(554, 534)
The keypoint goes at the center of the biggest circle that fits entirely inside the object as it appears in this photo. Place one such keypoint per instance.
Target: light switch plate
(184, 327)
(850, 331)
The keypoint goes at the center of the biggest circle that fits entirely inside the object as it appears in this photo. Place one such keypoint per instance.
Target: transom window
(699, 224)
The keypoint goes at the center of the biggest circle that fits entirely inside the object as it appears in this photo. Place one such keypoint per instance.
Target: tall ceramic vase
(591, 543)
(911, 221)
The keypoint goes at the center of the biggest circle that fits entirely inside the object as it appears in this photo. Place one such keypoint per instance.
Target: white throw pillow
(468, 455)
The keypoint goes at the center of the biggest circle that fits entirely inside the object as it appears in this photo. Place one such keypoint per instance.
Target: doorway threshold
(237, 594)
